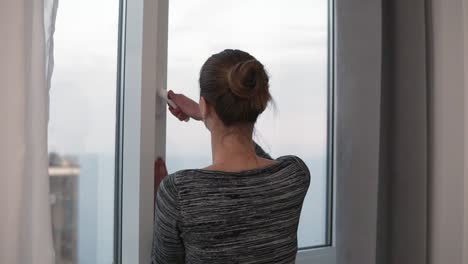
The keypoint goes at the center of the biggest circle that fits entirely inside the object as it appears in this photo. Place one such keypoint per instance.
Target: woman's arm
(189, 108)
(167, 243)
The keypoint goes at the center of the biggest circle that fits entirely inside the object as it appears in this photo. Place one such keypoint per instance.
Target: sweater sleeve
(167, 243)
(260, 152)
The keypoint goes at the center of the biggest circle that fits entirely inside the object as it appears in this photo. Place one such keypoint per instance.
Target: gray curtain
(382, 106)
(358, 93)
(403, 172)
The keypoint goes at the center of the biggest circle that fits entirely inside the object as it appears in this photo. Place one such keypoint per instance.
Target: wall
(448, 209)
(465, 30)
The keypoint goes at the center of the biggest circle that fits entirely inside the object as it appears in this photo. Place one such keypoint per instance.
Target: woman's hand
(160, 172)
(186, 107)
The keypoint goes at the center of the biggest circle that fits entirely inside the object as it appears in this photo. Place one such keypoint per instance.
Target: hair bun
(236, 85)
(247, 78)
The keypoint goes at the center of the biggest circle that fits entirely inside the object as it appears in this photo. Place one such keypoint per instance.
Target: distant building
(82, 208)
(63, 180)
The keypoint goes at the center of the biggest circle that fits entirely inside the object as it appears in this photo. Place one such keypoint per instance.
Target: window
(82, 131)
(164, 43)
(292, 39)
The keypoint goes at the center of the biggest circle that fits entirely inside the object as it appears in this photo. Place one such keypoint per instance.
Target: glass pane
(291, 39)
(82, 131)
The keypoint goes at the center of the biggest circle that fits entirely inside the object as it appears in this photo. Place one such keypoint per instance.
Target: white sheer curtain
(26, 29)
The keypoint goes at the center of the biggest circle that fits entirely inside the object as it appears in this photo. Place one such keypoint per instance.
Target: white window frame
(143, 68)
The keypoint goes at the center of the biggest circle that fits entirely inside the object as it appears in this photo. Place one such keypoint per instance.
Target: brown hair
(236, 85)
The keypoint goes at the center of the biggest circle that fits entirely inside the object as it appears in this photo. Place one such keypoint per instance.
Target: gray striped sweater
(205, 216)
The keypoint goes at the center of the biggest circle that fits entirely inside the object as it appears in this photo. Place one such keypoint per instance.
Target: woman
(245, 207)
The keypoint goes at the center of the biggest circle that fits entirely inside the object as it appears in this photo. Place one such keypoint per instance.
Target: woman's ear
(203, 107)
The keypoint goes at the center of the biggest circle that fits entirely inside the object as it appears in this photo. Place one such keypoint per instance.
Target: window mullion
(143, 127)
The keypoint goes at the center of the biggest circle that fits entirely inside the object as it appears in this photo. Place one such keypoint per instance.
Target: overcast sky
(82, 95)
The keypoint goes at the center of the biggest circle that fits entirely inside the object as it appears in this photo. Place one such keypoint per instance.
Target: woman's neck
(232, 148)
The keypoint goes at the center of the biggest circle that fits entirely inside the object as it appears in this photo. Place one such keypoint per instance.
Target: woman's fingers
(171, 95)
(186, 105)
(164, 166)
(162, 170)
(177, 112)
(182, 116)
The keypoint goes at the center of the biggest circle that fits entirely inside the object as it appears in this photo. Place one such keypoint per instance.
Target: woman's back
(219, 216)
(205, 216)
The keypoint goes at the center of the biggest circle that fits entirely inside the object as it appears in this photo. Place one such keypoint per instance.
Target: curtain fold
(404, 139)
(357, 113)
(26, 29)
(382, 131)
